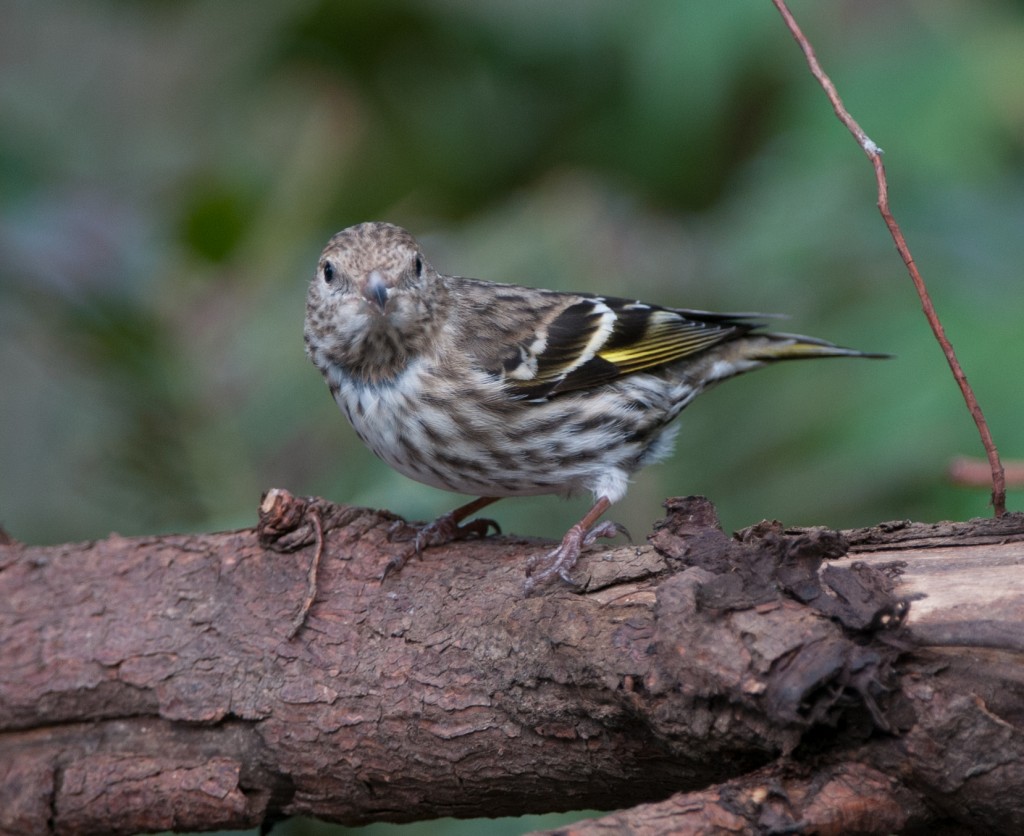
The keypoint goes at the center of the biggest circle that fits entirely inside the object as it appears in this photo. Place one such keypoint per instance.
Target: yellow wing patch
(666, 337)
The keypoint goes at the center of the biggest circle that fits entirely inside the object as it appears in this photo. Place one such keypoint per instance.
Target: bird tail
(755, 350)
(771, 347)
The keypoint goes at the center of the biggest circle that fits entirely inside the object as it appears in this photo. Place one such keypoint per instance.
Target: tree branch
(152, 683)
(779, 798)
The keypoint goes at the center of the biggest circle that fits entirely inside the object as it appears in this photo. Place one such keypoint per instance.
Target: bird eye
(328, 272)
(418, 266)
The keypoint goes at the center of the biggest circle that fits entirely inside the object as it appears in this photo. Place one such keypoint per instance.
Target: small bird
(499, 390)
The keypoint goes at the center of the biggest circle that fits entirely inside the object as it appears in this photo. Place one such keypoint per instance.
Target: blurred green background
(169, 172)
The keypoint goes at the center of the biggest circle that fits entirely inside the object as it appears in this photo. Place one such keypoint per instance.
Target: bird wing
(578, 342)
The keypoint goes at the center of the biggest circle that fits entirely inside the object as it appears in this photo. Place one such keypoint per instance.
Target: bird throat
(380, 357)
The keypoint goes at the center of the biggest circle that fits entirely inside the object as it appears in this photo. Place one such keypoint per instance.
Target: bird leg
(582, 535)
(446, 529)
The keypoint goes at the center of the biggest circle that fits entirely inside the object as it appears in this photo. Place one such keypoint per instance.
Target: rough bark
(763, 682)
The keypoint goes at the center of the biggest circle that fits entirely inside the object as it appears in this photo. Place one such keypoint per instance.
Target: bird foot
(445, 529)
(561, 560)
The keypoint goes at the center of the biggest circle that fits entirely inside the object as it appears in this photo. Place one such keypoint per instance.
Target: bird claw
(441, 531)
(445, 530)
(561, 560)
(606, 529)
(394, 566)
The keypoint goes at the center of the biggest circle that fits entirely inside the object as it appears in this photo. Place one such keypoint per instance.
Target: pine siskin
(498, 390)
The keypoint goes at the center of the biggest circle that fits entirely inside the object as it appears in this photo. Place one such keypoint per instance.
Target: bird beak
(375, 290)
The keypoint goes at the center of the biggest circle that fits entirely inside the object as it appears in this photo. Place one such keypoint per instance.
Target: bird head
(372, 302)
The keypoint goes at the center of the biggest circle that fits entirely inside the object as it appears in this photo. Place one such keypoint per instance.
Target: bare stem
(975, 473)
(874, 154)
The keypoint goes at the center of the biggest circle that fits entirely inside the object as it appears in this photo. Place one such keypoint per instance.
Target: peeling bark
(223, 680)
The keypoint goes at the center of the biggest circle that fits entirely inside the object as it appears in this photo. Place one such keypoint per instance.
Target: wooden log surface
(202, 682)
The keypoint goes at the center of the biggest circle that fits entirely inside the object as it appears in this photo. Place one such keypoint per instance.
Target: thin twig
(875, 155)
(974, 473)
(313, 515)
